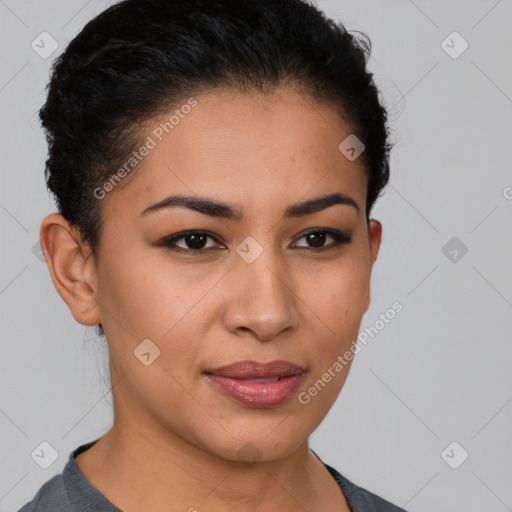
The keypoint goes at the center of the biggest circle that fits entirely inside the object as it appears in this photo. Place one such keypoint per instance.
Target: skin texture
(175, 441)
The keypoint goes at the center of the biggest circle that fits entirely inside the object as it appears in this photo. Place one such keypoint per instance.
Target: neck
(137, 471)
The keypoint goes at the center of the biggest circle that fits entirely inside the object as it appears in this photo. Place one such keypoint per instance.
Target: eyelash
(340, 238)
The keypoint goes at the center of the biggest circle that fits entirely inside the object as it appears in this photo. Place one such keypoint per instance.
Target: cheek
(146, 296)
(165, 304)
(335, 300)
(147, 302)
(337, 293)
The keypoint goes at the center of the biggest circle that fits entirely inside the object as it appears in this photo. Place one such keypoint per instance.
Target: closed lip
(257, 370)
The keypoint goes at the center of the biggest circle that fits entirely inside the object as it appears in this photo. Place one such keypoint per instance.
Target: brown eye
(193, 242)
(317, 238)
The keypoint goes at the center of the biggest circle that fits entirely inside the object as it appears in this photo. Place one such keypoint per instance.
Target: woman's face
(256, 288)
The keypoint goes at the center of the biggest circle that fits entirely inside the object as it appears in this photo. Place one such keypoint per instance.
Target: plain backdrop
(425, 417)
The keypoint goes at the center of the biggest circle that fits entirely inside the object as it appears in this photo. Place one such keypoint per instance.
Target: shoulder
(51, 497)
(360, 499)
(68, 491)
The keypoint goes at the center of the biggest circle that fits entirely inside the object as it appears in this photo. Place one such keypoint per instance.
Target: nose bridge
(262, 298)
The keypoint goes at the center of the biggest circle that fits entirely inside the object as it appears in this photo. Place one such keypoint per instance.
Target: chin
(258, 443)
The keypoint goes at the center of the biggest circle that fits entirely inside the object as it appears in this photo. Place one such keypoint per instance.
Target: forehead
(256, 148)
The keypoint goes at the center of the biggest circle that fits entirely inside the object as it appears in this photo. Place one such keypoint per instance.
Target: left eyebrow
(318, 204)
(217, 208)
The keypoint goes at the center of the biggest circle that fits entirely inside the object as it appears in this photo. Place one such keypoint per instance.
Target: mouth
(257, 385)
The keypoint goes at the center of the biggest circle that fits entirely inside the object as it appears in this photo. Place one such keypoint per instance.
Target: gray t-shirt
(70, 491)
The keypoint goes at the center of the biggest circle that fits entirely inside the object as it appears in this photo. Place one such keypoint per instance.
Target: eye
(194, 242)
(317, 238)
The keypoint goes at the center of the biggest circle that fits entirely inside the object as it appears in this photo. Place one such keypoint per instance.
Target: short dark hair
(139, 58)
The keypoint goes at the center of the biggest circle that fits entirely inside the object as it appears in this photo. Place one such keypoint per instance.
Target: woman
(214, 166)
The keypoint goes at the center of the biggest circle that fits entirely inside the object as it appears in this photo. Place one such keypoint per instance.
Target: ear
(72, 268)
(374, 240)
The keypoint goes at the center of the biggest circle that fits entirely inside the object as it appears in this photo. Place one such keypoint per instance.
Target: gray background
(438, 372)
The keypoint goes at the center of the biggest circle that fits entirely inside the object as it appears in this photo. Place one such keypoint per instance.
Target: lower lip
(257, 394)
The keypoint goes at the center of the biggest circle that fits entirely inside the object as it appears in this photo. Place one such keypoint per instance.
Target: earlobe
(68, 265)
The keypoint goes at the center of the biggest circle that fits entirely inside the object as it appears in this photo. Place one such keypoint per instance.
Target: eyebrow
(216, 208)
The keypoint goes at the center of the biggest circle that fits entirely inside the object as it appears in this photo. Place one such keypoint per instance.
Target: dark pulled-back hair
(139, 59)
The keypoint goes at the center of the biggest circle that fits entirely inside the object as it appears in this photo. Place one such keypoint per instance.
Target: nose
(261, 298)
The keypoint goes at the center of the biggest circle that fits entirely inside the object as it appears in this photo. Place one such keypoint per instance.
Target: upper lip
(256, 370)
